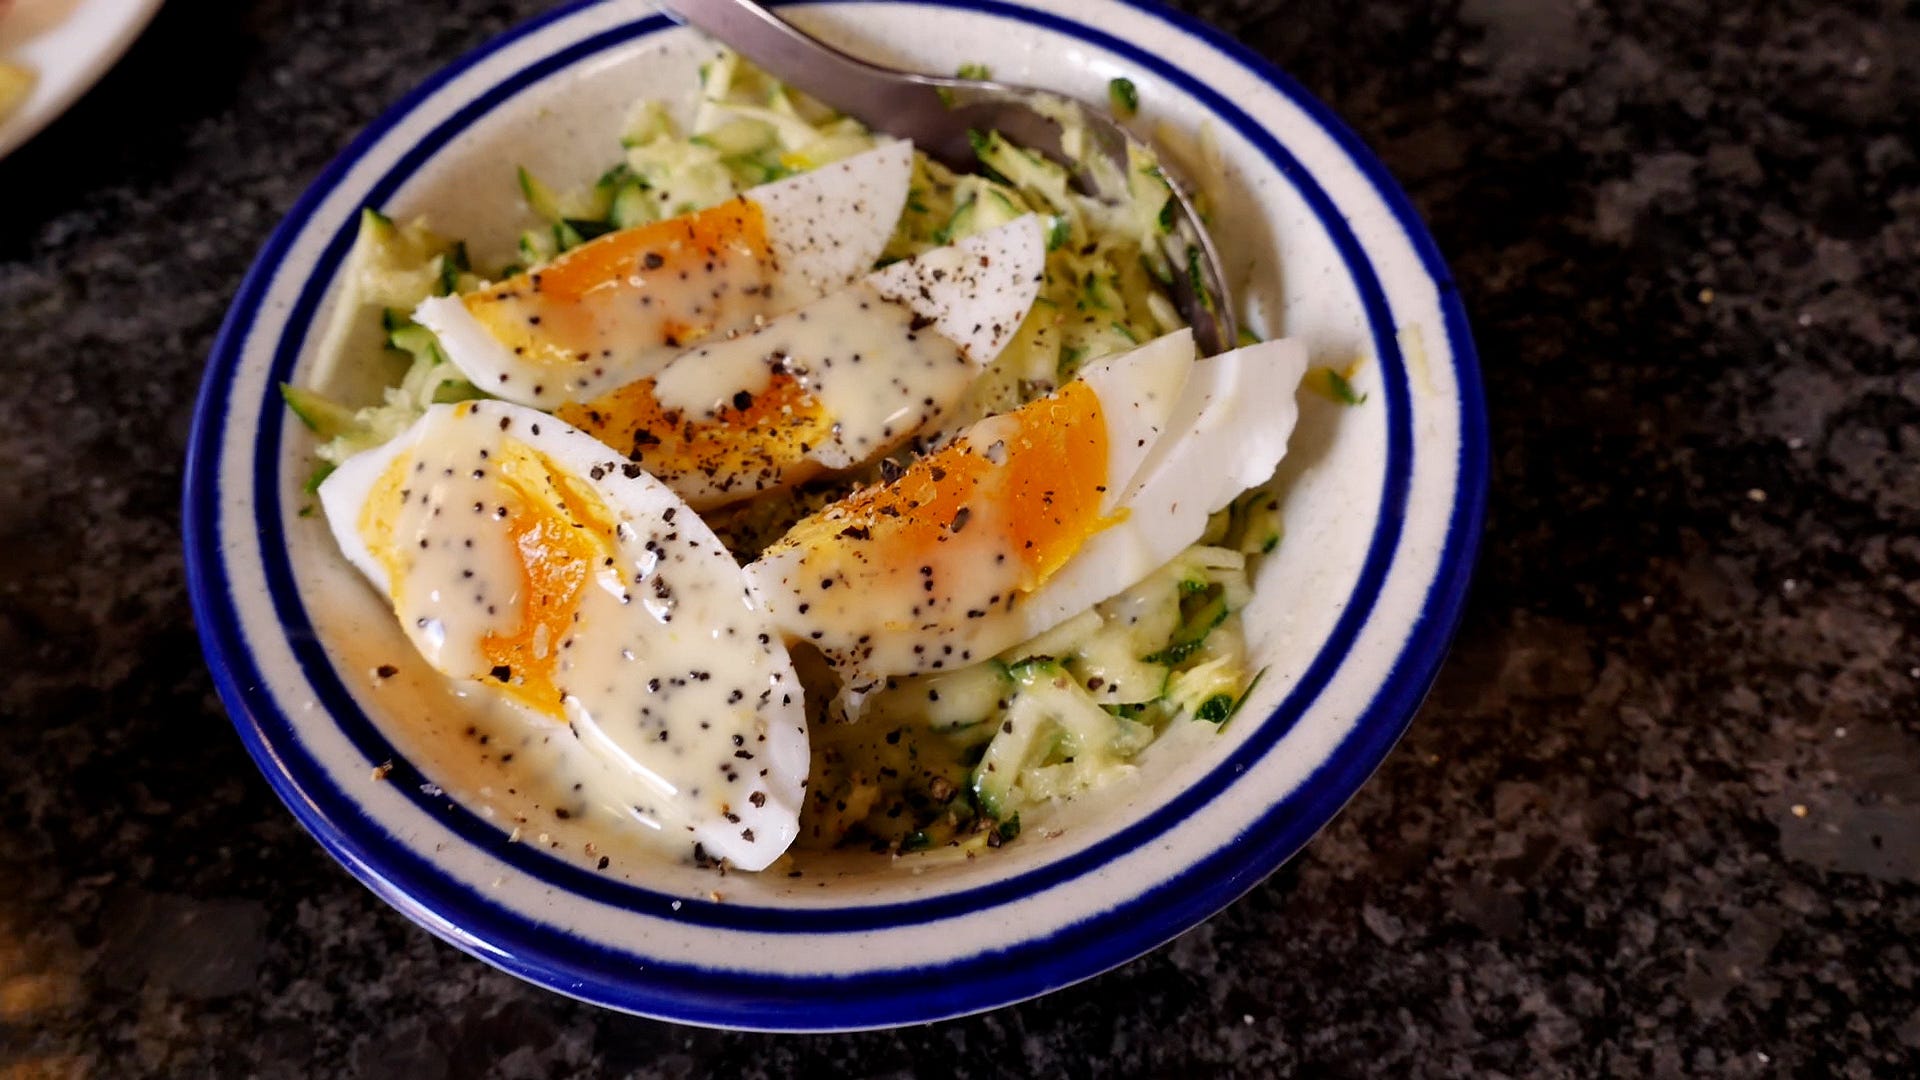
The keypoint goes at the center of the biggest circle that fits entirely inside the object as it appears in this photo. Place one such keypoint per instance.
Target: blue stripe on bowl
(623, 980)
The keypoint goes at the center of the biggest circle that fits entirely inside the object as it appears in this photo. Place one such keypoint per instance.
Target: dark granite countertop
(1661, 816)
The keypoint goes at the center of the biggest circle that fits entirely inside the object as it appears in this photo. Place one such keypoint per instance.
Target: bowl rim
(569, 964)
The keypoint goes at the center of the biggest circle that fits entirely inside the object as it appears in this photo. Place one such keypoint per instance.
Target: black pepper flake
(603, 863)
(386, 671)
(502, 672)
(960, 517)
(758, 798)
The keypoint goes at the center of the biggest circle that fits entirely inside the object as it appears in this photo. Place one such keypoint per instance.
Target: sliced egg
(524, 557)
(618, 307)
(832, 385)
(1227, 434)
(935, 569)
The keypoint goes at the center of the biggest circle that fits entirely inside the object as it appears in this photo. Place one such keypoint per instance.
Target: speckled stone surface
(1661, 816)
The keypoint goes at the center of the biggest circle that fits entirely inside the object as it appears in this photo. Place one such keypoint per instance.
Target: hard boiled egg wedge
(1227, 434)
(618, 307)
(523, 556)
(936, 568)
(832, 385)
(1031, 517)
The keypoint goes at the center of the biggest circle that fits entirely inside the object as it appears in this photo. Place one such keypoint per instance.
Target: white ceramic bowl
(1352, 614)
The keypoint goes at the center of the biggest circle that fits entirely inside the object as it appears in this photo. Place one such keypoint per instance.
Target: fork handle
(887, 99)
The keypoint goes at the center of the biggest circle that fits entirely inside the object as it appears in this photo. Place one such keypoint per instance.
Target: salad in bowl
(693, 551)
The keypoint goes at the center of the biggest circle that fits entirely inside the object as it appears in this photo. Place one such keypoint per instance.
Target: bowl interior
(566, 127)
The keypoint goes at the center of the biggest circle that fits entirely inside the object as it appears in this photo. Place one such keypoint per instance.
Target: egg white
(1228, 433)
(976, 291)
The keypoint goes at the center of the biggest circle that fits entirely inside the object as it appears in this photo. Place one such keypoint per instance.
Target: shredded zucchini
(1056, 716)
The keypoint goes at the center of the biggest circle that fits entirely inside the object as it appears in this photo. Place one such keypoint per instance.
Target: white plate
(1352, 614)
(69, 45)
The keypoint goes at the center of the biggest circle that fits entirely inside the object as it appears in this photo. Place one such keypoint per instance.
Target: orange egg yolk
(667, 283)
(757, 441)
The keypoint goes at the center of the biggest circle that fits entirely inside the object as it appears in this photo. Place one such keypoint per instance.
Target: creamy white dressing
(703, 382)
(874, 365)
(517, 771)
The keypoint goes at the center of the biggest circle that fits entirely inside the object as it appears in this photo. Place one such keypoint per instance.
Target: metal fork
(939, 114)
